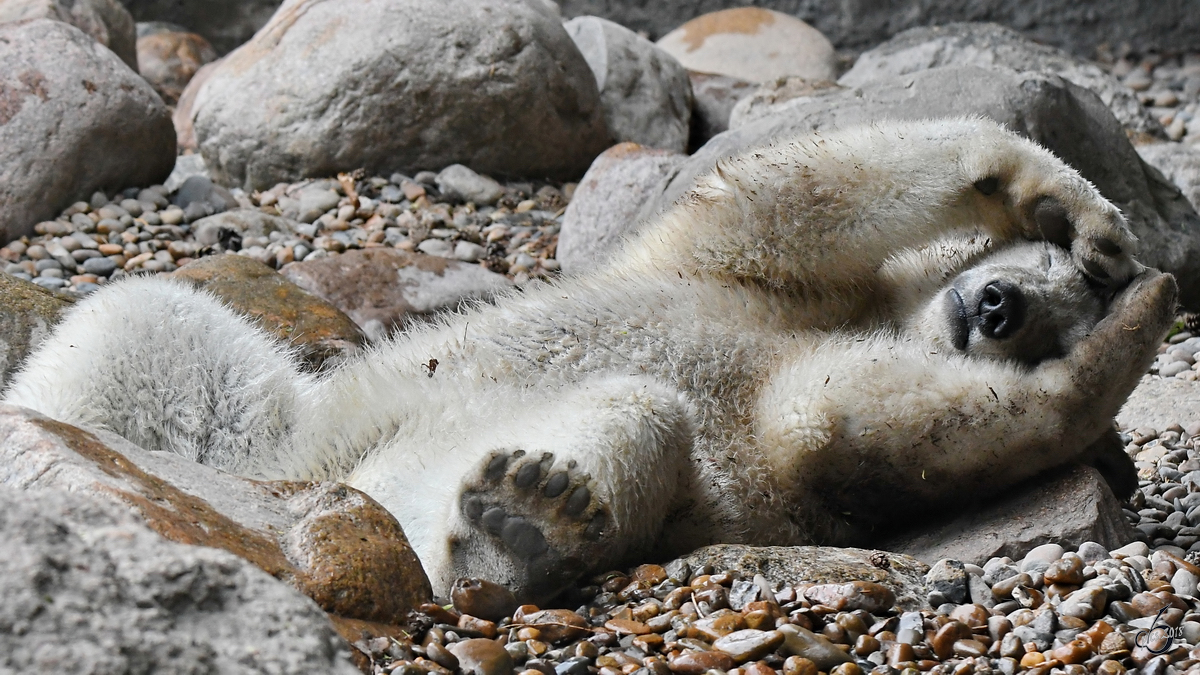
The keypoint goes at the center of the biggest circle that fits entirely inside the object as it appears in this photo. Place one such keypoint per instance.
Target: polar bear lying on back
(824, 336)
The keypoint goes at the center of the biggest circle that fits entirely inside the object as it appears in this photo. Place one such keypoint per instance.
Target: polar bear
(824, 336)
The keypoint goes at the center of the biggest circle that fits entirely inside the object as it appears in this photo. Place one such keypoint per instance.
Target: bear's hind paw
(542, 515)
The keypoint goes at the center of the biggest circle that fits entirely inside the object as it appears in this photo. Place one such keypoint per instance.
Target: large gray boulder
(73, 119)
(106, 21)
(989, 45)
(400, 85)
(89, 589)
(1147, 25)
(1069, 120)
(646, 94)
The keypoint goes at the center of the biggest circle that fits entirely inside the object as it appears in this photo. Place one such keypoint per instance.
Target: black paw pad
(496, 467)
(523, 538)
(578, 501)
(557, 484)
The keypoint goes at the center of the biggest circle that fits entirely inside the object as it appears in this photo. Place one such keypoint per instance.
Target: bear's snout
(1001, 310)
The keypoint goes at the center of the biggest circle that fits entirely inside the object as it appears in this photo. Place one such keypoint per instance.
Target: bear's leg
(170, 368)
(870, 426)
(560, 482)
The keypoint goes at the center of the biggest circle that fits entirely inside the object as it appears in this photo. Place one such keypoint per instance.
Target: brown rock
(480, 656)
(27, 313)
(651, 574)
(379, 288)
(1075, 651)
(328, 540)
(627, 627)
(168, 60)
(1066, 570)
(482, 598)
(323, 334)
(804, 643)
(1086, 603)
(752, 44)
(973, 616)
(695, 663)
(555, 625)
(798, 665)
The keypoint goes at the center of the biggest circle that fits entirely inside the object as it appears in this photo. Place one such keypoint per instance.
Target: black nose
(1001, 310)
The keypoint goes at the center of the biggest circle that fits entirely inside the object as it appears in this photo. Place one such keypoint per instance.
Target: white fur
(749, 370)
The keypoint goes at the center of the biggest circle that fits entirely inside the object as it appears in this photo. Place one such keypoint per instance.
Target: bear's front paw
(1100, 241)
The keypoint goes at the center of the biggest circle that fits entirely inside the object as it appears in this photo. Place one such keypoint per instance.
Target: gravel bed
(1167, 84)
(141, 231)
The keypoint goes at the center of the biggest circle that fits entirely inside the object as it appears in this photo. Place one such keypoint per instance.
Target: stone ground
(1136, 608)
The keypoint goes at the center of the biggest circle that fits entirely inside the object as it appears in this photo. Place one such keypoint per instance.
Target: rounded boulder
(400, 85)
(74, 119)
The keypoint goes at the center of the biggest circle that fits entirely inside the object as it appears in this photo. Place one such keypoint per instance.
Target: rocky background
(338, 170)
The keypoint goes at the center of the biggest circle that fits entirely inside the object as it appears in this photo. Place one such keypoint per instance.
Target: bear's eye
(988, 186)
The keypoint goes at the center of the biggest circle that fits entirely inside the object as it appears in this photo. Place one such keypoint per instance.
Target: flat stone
(323, 334)
(753, 44)
(380, 288)
(645, 93)
(27, 313)
(902, 575)
(105, 21)
(90, 122)
(495, 85)
(605, 207)
(94, 589)
(332, 542)
(1071, 506)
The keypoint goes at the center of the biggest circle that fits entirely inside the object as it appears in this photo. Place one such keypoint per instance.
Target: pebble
(510, 229)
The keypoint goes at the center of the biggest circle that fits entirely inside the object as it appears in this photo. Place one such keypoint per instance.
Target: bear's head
(1026, 302)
